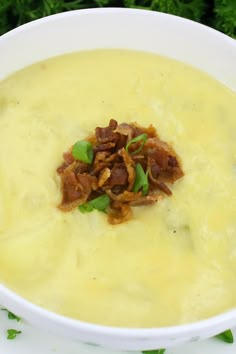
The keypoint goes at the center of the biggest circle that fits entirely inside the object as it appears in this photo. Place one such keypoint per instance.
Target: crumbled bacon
(124, 197)
(103, 176)
(125, 129)
(119, 214)
(105, 135)
(68, 157)
(112, 170)
(146, 200)
(76, 189)
(119, 175)
(129, 163)
(105, 147)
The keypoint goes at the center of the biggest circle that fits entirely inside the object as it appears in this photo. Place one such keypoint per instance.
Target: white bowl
(167, 35)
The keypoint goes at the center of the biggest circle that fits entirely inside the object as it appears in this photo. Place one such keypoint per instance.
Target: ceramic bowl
(148, 31)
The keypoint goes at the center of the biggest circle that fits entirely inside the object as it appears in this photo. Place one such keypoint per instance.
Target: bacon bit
(79, 167)
(113, 170)
(103, 176)
(125, 129)
(147, 200)
(68, 157)
(119, 175)
(101, 161)
(105, 135)
(119, 215)
(125, 196)
(161, 154)
(129, 163)
(172, 161)
(150, 131)
(103, 157)
(163, 187)
(154, 169)
(103, 147)
(154, 172)
(62, 168)
(76, 190)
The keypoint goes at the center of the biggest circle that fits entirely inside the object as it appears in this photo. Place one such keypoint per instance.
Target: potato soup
(174, 262)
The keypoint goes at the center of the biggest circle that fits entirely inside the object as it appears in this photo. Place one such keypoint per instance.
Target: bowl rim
(120, 10)
(152, 332)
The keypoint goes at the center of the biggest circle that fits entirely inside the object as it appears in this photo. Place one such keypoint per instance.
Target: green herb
(226, 336)
(12, 333)
(157, 351)
(219, 14)
(100, 203)
(12, 316)
(85, 208)
(141, 180)
(83, 151)
(142, 138)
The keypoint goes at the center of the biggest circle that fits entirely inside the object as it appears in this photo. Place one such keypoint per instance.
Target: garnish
(226, 336)
(11, 316)
(157, 351)
(117, 168)
(83, 151)
(141, 180)
(140, 138)
(85, 208)
(100, 203)
(12, 333)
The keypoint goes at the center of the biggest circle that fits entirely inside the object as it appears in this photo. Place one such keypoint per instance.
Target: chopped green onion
(11, 315)
(83, 151)
(141, 180)
(12, 333)
(143, 138)
(226, 336)
(100, 203)
(85, 208)
(157, 351)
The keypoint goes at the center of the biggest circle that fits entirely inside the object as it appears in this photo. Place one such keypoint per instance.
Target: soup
(174, 262)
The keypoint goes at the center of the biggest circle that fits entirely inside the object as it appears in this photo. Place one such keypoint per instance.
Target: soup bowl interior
(153, 32)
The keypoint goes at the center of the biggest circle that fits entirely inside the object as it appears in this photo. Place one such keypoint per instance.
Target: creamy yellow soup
(174, 262)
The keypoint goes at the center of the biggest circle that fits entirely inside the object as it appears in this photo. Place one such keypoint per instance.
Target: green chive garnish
(12, 333)
(85, 208)
(226, 336)
(157, 351)
(142, 138)
(100, 203)
(83, 151)
(12, 316)
(141, 180)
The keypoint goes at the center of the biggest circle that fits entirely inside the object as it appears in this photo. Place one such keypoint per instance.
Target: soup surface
(174, 262)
